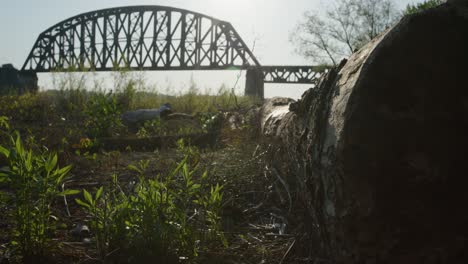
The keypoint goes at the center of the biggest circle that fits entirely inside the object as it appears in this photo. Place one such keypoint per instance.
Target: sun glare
(228, 8)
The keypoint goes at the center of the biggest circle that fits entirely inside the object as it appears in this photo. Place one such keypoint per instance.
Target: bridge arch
(140, 38)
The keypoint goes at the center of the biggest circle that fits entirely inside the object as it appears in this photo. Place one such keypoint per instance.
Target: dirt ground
(255, 204)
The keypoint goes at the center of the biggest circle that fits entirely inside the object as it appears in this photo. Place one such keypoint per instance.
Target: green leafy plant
(191, 153)
(29, 107)
(34, 180)
(103, 115)
(162, 219)
(103, 211)
(4, 122)
(152, 128)
(211, 122)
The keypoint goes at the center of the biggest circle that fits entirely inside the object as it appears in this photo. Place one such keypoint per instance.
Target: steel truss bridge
(155, 38)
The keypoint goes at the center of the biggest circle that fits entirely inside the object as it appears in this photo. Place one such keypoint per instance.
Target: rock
(377, 152)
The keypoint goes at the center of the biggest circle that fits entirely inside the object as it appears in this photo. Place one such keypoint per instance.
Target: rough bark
(377, 152)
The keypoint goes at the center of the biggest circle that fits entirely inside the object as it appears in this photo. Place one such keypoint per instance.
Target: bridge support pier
(254, 85)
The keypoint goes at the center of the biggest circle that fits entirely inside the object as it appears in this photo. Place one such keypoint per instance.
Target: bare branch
(346, 26)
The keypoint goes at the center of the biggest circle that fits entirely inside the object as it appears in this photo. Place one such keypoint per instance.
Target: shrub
(27, 107)
(103, 115)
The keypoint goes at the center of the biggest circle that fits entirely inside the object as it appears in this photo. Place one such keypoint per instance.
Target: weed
(211, 122)
(191, 153)
(162, 219)
(152, 128)
(34, 180)
(103, 115)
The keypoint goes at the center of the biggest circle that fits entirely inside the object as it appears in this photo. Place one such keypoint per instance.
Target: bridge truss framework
(153, 38)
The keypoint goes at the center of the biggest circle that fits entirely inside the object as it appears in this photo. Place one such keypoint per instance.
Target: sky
(266, 24)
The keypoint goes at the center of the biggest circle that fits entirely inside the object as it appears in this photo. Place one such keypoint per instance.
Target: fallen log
(201, 140)
(377, 152)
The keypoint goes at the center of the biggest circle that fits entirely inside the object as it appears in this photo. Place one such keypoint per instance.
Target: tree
(412, 9)
(344, 27)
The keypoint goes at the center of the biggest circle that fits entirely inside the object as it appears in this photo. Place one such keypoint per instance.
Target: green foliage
(125, 94)
(4, 123)
(34, 180)
(59, 118)
(152, 128)
(415, 8)
(102, 215)
(27, 107)
(71, 102)
(163, 219)
(103, 115)
(110, 211)
(191, 153)
(193, 101)
(201, 123)
(210, 122)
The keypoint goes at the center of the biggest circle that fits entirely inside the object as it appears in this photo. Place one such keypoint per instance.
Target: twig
(65, 201)
(278, 235)
(255, 238)
(75, 245)
(285, 185)
(255, 151)
(287, 251)
(112, 252)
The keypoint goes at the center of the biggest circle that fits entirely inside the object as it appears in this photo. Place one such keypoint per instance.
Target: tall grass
(72, 97)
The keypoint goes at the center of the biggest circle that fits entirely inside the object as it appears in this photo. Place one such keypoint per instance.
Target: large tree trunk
(378, 151)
